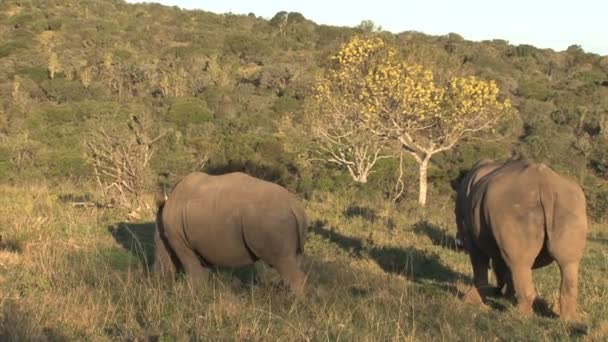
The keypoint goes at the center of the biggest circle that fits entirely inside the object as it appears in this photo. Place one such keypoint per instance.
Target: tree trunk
(424, 165)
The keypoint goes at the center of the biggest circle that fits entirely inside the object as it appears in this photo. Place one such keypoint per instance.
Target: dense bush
(188, 110)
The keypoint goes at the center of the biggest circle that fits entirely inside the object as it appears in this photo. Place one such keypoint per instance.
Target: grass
(69, 273)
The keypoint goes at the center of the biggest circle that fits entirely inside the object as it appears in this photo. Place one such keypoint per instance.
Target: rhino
(230, 220)
(522, 215)
(478, 171)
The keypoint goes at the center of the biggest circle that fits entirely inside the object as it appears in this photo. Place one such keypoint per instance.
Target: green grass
(70, 273)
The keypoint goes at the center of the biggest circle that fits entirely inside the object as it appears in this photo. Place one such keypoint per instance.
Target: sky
(553, 24)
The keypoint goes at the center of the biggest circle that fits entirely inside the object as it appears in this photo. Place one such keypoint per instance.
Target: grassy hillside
(217, 86)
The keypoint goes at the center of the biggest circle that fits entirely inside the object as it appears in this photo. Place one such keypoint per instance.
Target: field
(374, 273)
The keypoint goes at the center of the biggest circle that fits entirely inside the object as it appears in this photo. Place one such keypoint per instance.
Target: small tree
(336, 118)
(403, 102)
(368, 26)
(120, 159)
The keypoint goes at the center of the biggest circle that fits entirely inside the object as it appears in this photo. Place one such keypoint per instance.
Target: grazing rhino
(523, 215)
(230, 220)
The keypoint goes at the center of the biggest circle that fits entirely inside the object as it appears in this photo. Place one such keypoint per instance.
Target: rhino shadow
(412, 263)
(136, 238)
(438, 236)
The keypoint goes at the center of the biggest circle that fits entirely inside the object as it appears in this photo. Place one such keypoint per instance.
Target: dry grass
(374, 274)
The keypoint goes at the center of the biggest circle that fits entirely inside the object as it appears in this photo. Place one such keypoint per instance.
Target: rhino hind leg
(164, 265)
(524, 287)
(289, 270)
(191, 264)
(568, 290)
(503, 277)
(568, 252)
(480, 262)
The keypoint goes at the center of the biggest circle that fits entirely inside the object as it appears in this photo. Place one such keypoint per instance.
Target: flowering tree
(335, 116)
(404, 103)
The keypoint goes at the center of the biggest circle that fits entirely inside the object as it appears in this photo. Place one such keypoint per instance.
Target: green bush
(11, 48)
(525, 50)
(536, 89)
(7, 169)
(287, 104)
(332, 35)
(35, 73)
(63, 90)
(68, 164)
(188, 111)
(122, 55)
(246, 47)
(58, 115)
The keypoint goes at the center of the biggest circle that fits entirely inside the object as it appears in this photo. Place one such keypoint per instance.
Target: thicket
(219, 85)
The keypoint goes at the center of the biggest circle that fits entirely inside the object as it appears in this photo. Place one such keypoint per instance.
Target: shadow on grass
(137, 238)
(437, 235)
(600, 240)
(334, 276)
(9, 245)
(542, 308)
(365, 213)
(410, 262)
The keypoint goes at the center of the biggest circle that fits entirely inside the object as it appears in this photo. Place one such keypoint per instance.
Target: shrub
(10, 48)
(535, 89)
(247, 47)
(188, 111)
(63, 90)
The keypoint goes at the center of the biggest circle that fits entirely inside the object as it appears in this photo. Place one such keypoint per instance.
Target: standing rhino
(482, 168)
(230, 220)
(523, 215)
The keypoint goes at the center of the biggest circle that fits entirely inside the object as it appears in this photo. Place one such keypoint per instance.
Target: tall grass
(374, 273)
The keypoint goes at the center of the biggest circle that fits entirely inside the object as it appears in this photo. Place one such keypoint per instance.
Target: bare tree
(120, 159)
(342, 139)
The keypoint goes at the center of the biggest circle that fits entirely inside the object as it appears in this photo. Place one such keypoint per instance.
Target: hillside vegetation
(75, 75)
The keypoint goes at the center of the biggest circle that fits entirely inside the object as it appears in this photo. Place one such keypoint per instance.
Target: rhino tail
(547, 199)
(302, 226)
(160, 200)
(166, 262)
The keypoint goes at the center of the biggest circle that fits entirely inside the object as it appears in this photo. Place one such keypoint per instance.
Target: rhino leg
(568, 290)
(163, 263)
(480, 262)
(289, 270)
(567, 252)
(524, 288)
(191, 263)
(503, 277)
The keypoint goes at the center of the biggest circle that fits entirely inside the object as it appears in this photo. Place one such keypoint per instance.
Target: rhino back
(498, 205)
(464, 198)
(211, 212)
(566, 212)
(528, 201)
